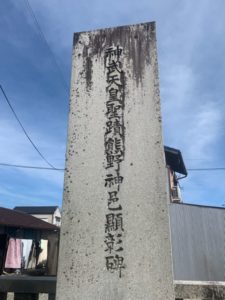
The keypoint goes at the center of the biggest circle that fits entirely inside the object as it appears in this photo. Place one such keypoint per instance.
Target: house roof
(13, 218)
(198, 205)
(39, 210)
(174, 159)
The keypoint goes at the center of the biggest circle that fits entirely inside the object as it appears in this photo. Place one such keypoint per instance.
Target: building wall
(198, 244)
(50, 218)
(57, 217)
(46, 218)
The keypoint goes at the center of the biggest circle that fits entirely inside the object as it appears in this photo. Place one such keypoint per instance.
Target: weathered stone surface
(200, 290)
(139, 265)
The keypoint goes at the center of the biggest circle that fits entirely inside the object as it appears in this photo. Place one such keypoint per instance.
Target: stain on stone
(76, 38)
(135, 39)
(87, 66)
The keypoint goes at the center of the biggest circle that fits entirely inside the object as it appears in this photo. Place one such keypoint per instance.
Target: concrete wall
(57, 214)
(50, 218)
(115, 228)
(46, 218)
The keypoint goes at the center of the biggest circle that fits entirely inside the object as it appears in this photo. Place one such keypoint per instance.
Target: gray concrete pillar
(115, 230)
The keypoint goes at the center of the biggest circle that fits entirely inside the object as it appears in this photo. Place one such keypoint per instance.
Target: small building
(176, 171)
(19, 225)
(50, 214)
(30, 278)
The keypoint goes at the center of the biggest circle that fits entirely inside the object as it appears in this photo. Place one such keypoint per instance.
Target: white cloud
(204, 131)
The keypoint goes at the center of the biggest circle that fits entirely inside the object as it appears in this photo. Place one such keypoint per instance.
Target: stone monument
(115, 240)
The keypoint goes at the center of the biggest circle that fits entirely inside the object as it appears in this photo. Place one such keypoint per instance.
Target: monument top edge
(151, 23)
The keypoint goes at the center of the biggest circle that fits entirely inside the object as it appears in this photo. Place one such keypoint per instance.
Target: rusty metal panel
(198, 242)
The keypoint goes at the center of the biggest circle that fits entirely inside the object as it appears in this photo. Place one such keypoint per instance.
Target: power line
(30, 167)
(24, 130)
(41, 33)
(207, 169)
(59, 169)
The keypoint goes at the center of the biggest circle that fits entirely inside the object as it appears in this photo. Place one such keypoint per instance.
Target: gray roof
(37, 210)
(17, 219)
(198, 242)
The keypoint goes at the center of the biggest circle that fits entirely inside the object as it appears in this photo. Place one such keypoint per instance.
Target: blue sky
(191, 47)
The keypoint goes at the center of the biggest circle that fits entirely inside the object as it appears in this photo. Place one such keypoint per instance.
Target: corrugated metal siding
(198, 242)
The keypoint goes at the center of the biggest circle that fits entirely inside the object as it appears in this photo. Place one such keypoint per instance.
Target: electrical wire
(30, 167)
(59, 169)
(41, 33)
(207, 169)
(42, 156)
(24, 130)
